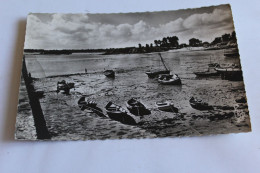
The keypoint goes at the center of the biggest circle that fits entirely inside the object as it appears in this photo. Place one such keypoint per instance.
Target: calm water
(182, 62)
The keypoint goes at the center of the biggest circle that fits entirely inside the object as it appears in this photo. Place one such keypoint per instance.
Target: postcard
(131, 75)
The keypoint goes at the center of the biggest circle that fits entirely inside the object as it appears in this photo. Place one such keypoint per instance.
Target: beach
(65, 120)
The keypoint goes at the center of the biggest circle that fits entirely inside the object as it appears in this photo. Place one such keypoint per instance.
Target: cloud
(76, 31)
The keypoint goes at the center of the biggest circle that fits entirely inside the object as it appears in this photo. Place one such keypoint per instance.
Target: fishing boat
(209, 72)
(167, 79)
(155, 73)
(64, 86)
(136, 107)
(118, 113)
(83, 103)
(166, 106)
(232, 68)
(90, 105)
(233, 72)
(109, 73)
(199, 104)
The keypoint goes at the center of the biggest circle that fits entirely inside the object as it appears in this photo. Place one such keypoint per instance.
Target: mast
(163, 63)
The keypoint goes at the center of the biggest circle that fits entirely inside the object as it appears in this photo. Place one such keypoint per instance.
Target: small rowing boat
(136, 107)
(118, 113)
(166, 106)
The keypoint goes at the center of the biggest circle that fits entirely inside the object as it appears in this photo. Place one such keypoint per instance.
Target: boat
(167, 79)
(109, 73)
(90, 105)
(233, 72)
(156, 73)
(84, 104)
(64, 86)
(136, 107)
(209, 72)
(118, 113)
(232, 68)
(166, 106)
(199, 104)
(206, 73)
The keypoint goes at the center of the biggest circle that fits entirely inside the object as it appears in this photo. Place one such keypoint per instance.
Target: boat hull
(233, 74)
(167, 107)
(170, 82)
(206, 74)
(199, 105)
(121, 117)
(137, 108)
(109, 73)
(155, 74)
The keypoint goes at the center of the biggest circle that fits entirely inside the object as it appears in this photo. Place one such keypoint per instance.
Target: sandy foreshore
(66, 121)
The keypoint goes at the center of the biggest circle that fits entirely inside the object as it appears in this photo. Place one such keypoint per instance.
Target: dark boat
(166, 106)
(109, 73)
(84, 104)
(90, 105)
(199, 105)
(156, 73)
(233, 72)
(118, 113)
(64, 86)
(167, 79)
(206, 74)
(210, 72)
(136, 107)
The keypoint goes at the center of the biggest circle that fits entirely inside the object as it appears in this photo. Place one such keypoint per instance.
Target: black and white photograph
(131, 75)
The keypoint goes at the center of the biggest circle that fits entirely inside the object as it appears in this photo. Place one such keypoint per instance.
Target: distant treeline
(63, 51)
(165, 44)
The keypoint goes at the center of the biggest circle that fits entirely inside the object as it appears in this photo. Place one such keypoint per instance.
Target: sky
(94, 31)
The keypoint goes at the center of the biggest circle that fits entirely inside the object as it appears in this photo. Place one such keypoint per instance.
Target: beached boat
(232, 68)
(233, 72)
(64, 86)
(209, 72)
(136, 107)
(118, 113)
(167, 79)
(166, 106)
(156, 73)
(90, 105)
(83, 103)
(206, 73)
(199, 104)
(109, 73)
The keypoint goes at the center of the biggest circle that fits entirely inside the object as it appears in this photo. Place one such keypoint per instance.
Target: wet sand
(66, 121)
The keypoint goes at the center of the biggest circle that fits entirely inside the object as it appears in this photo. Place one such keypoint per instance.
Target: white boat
(233, 72)
(166, 106)
(167, 79)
